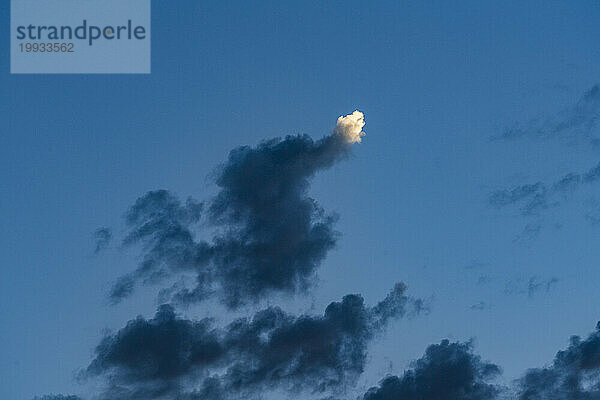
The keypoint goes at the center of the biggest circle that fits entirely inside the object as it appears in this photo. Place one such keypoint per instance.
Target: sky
(475, 113)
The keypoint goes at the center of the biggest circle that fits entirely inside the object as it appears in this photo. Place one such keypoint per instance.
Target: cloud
(350, 127)
(451, 371)
(530, 286)
(164, 225)
(102, 238)
(574, 373)
(592, 215)
(535, 284)
(57, 397)
(447, 371)
(481, 306)
(171, 357)
(122, 288)
(533, 199)
(529, 233)
(269, 235)
(575, 123)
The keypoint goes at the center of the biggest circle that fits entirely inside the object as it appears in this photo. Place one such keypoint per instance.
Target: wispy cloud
(530, 232)
(102, 238)
(480, 306)
(533, 199)
(575, 123)
(530, 286)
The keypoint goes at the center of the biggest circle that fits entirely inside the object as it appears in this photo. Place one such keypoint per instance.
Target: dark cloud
(574, 373)
(451, 371)
(170, 357)
(447, 371)
(102, 238)
(575, 123)
(269, 235)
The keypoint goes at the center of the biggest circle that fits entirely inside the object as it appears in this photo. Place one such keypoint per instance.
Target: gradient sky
(436, 81)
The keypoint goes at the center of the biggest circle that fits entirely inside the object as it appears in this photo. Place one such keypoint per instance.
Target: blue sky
(436, 81)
